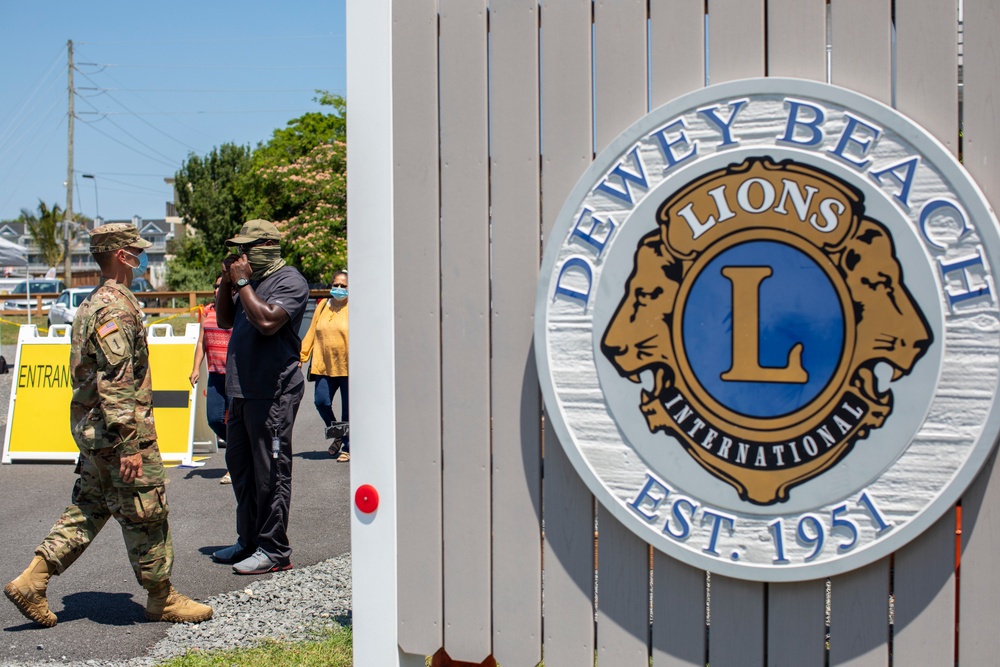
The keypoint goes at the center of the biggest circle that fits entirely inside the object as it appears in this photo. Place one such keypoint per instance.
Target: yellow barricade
(38, 426)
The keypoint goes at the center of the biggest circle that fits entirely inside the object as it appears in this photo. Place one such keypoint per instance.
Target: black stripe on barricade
(170, 399)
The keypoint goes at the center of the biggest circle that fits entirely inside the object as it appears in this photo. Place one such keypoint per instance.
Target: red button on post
(366, 498)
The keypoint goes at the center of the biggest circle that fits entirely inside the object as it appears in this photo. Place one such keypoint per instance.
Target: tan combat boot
(27, 592)
(166, 604)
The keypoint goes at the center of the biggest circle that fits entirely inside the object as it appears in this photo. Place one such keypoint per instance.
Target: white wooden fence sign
(766, 329)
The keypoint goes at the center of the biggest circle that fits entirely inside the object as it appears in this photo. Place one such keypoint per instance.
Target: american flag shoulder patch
(107, 328)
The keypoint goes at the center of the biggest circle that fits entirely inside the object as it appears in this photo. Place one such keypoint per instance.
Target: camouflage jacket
(112, 403)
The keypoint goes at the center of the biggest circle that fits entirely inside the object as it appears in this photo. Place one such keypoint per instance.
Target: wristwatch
(242, 282)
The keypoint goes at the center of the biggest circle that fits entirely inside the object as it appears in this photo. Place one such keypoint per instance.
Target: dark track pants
(263, 485)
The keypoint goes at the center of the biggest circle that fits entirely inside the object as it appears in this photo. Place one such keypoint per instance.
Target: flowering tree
(298, 180)
(312, 191)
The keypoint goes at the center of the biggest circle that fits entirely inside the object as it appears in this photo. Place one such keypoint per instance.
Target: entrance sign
(38, 424)
(767, 329)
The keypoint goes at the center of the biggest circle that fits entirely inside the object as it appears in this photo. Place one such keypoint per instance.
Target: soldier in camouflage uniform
(120, 471)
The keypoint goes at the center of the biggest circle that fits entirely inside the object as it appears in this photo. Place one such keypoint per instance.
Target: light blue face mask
(143, 259)
(338, 293)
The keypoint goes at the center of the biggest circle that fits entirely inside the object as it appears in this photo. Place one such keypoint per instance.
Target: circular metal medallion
(767, 329)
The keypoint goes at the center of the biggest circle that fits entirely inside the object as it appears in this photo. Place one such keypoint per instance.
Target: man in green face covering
(265, 386)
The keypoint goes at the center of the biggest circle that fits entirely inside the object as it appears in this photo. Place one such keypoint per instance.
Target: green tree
(46, 231)
(210, 198)
(192, 266)
(310, 200)
(298, 179)
(210, 195)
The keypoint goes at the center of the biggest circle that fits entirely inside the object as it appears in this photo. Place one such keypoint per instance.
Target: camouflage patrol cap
(255, 230)
(116, 235)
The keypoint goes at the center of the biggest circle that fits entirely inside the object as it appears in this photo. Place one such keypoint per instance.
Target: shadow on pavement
(103, 608)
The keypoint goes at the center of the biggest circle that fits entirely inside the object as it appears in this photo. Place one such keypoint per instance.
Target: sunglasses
(243, 247)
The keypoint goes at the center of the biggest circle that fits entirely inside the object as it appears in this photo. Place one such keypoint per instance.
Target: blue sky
(155, 82)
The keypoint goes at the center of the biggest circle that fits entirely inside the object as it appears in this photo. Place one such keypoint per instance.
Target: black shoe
(232, 554)
(338, 430)
(335, 447)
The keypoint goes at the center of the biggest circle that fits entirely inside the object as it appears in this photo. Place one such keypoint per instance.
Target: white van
(7, 284)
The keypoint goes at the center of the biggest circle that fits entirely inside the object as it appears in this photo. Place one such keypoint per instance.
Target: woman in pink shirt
(212, 344)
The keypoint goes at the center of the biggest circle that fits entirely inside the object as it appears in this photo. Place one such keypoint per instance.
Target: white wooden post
(373, 535)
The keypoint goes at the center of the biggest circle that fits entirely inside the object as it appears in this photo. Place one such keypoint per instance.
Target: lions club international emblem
(762, 303)
(767, 329)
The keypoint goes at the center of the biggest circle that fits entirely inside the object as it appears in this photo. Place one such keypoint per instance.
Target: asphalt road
(98, 602)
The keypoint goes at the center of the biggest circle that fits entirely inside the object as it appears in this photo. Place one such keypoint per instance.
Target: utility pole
(68, 211)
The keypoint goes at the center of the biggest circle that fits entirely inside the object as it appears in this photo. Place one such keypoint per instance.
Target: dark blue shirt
(260, 366)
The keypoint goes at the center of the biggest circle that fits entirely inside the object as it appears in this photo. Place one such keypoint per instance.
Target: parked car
(140, 284)
(64, 309)
(39, 286)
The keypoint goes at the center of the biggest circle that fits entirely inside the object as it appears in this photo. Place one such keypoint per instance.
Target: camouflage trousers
(140, 507)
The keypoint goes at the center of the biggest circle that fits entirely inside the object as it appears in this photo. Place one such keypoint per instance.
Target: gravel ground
(294, 605)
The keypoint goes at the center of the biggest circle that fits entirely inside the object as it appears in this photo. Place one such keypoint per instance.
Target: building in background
(85, 269)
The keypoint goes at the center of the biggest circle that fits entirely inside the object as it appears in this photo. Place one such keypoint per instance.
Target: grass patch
(332, 649)
(178, 322)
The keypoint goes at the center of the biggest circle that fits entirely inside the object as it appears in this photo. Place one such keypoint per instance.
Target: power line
(133, 188)
(123, 130)
(15, 119)
(253, 67)
(201, 90)
(194, 113)
(219, 40)
(122, 104)
(118, 173)
(131, 148)
(177, 122)
(24, 172)
(38, 123)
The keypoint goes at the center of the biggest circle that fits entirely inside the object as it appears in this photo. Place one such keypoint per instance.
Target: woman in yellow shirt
(326, 343)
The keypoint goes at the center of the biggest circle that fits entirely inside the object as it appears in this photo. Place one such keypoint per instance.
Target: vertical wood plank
(796, 624)
(620, 100)
(417, 315)
(676, 48)
(465, 335)
(924, 596)
(859, 617)
(860, 53)
(569, 561)
(566, 121)
(516, 403)
(927, 66)
(622, 594)
(796, 39)
(927, 91)
(736, 51)
(736, 637)
(735, 39)
(677, 66)
(619, 67)
(981, 141)
(979, 641)
(678, 614)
